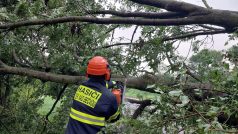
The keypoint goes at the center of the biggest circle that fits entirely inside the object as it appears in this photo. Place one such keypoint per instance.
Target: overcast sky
(217, 4)
(219, 40)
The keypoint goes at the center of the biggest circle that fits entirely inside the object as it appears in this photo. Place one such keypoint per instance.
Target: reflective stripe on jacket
(87, 118)
(93, 104)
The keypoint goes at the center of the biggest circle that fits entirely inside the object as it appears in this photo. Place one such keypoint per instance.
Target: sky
(219, 40)
(217, 4)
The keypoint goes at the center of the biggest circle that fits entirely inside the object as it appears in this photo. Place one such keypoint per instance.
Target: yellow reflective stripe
(87, 118)
(87, 121)
(87, 115)
(106, 84)
(114, 116)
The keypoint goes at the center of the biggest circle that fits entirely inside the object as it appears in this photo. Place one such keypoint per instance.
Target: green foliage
(206, 57)
(7, 3)
(207, 63)
(22, 9)
(176, 109)
(21, 112)
(38, 47)
(231, 54)
(46, 106)
(125, 126)
(66, 48)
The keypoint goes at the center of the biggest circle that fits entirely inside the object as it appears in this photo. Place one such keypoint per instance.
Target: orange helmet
(98, 66)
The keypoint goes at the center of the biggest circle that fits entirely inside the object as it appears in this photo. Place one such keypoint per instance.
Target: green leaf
(3, 16)
(185, 100)
(151, 86)
(175, 93)
(226, 66)
(206, 127)
(158, 90)
(213, 111)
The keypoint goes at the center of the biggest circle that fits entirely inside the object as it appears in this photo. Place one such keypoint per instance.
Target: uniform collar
(98, 80)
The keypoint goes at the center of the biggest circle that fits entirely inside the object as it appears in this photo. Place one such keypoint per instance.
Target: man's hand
(120, 85)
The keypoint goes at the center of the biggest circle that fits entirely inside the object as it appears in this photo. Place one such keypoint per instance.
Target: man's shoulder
(99, 87)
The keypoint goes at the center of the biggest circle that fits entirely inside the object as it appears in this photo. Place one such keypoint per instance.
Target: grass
(48, 103)
(134, 93)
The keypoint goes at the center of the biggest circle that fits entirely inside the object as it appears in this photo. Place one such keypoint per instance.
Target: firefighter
(94, 104)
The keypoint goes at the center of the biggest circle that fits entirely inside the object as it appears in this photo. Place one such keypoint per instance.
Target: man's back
(93, 104)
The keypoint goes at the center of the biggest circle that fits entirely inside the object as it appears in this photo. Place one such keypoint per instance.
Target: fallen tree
(140, 83)
(48, 45)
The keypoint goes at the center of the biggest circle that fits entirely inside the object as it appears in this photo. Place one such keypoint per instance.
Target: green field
(48, 103)
(132, 93)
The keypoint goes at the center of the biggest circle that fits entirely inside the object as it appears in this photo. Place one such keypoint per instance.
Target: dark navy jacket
(106, 106)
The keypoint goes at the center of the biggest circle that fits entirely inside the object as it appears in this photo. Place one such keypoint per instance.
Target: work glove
(119, 85)
(115, 85)
(111, 84)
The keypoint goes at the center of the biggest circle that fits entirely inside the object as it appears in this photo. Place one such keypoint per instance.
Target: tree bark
(141, 108)
(66, 79)
(180, 13)
(140, 83)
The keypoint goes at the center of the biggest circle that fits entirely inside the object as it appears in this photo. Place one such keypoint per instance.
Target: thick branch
(221, 18)
(116, 44)
(224, 18)
(66, 79)
(211, 28)
(141, 108)
(164, 15)
(204, 86)
(142, 82)
(136, 21)
(139, 83)
(171, 5)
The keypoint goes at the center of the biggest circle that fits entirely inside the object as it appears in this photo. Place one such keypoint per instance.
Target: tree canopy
(45, 46)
